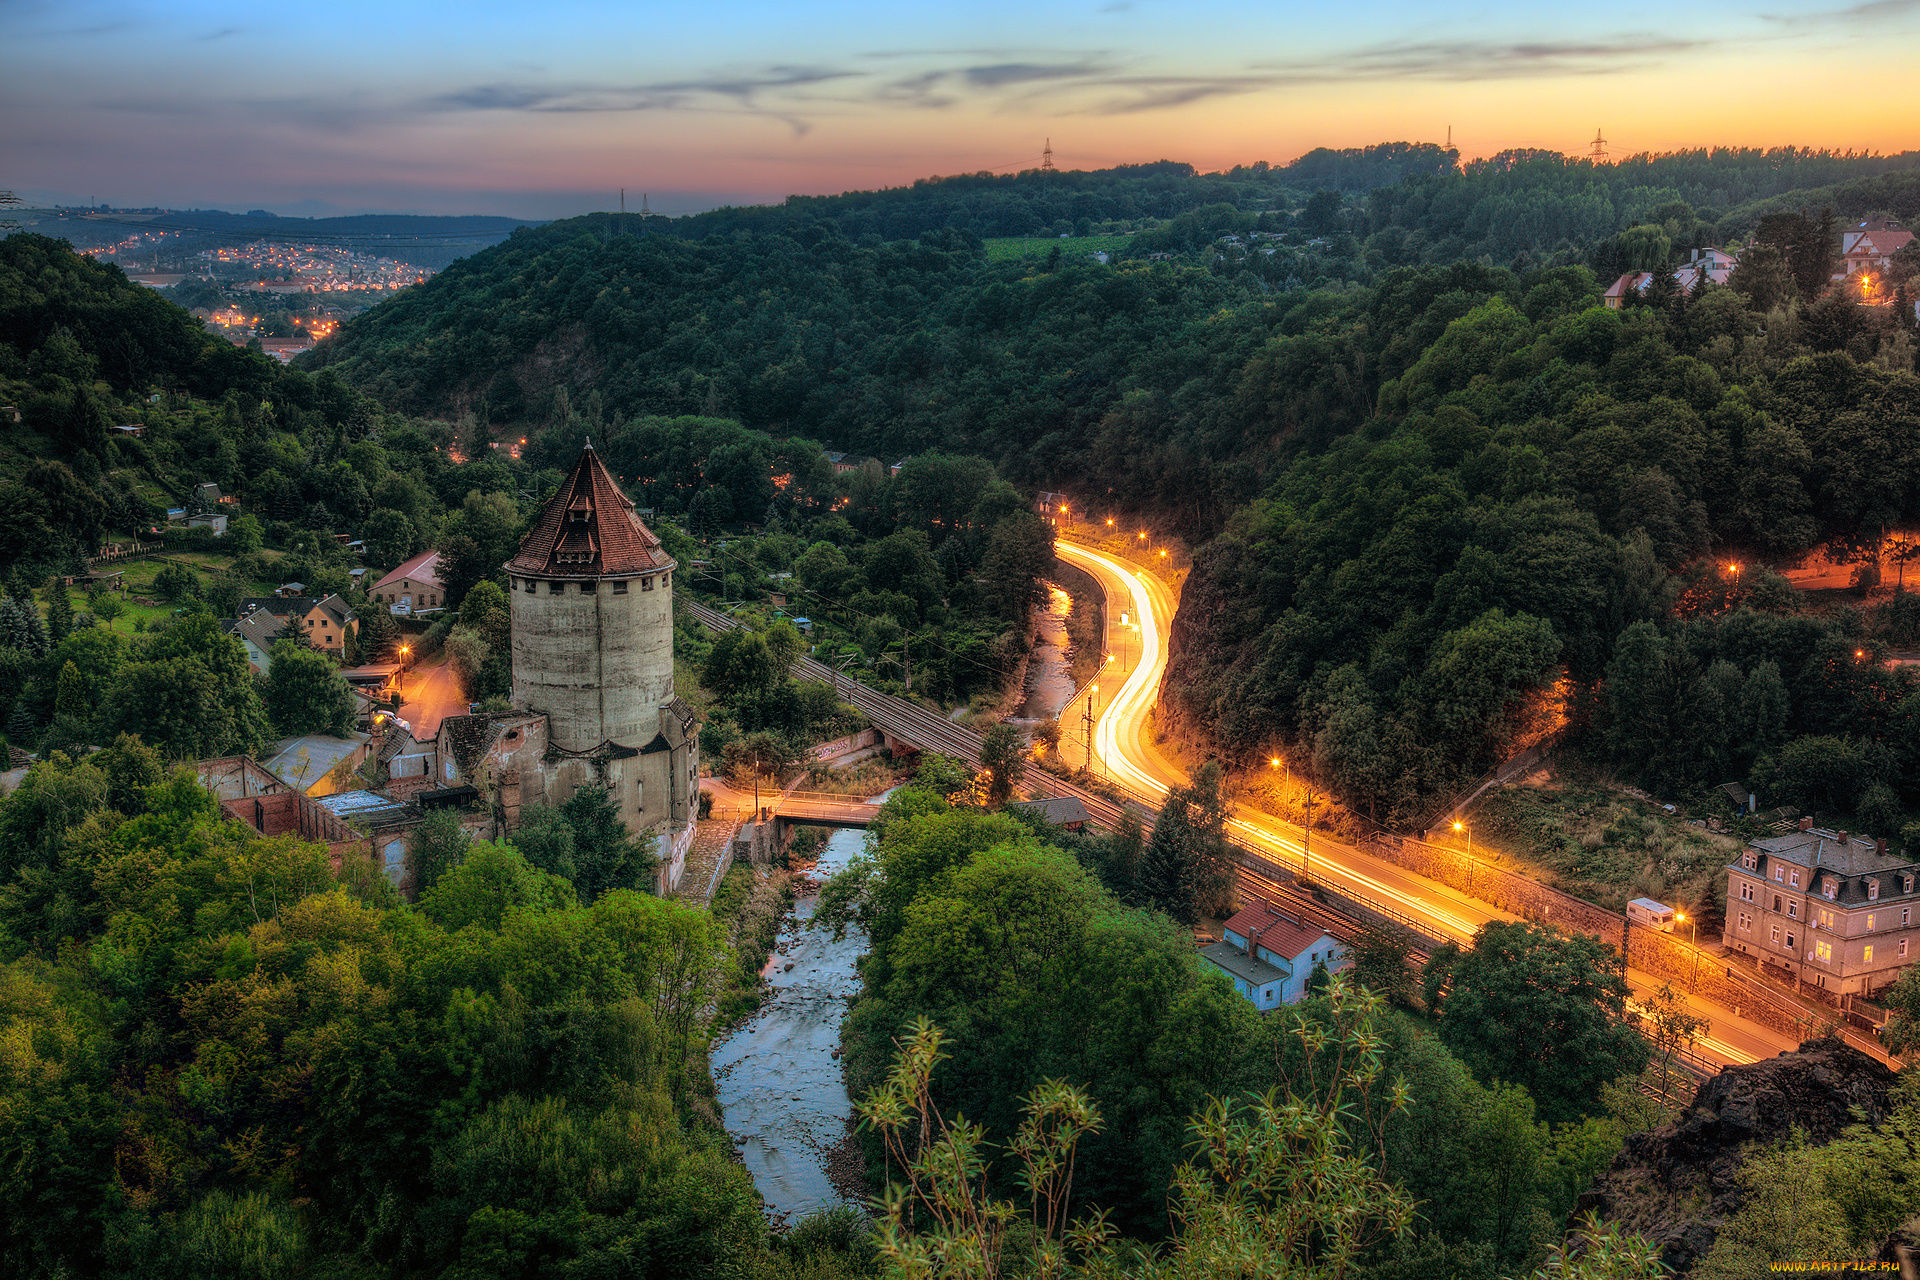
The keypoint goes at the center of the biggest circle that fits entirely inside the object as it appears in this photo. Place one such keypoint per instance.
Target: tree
(375, 633)
(1541, 1009)
(1003, 754)
(59, 610)
(435, 848)
(1186, 867)
(306, 694)
(607, 856)
(175, 583)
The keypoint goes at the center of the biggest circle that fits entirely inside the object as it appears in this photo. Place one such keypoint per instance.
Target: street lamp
(1087, 715)
(1693, 940)
(1462, 827)
(406, 663)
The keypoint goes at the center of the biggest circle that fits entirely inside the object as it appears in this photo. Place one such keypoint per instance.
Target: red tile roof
(1279, 933)
(589, 530)
(424, 567)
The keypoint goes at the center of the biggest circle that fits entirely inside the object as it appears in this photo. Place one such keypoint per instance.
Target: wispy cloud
(1870, 11)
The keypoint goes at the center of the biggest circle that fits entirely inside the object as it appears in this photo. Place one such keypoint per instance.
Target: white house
(1269, 955)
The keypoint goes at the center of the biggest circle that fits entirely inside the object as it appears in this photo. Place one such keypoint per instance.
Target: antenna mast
(1046, 158)
(644, 211)
(623, 202)
(1599, 151)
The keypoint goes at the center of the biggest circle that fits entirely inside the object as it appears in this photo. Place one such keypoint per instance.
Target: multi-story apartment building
(1834, 910)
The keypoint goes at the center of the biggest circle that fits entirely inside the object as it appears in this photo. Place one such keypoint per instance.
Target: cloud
(1870, 11)
(1007, 73)
(746, 93)
(1487, 60)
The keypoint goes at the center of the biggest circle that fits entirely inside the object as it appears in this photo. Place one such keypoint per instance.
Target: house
(1711, 264)
(1829, 908)
(326, 621)
(1066, 812)
(894, 470)
(134, 429)
(845, 462)
(290, 811)
(217, 523)
(290, 590)
(238, 777)
(1054, 508)
(1870, 246)
(309, 763)
(1633, 282)
(384, 823)
(414, 587)
(256, 632)
(1269, 956)
(208, 492)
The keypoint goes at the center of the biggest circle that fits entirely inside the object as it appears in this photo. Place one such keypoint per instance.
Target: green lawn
(139, 575)
(1012, 248)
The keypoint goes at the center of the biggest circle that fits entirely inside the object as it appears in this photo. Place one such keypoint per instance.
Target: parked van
(1649, 914)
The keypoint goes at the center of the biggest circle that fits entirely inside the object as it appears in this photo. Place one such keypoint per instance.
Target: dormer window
(1749, 860)
(1873, 891)
(1829, 887)
(1793, 878)
(1779, 872)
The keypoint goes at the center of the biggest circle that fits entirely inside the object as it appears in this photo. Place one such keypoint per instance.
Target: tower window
(646, 584)
(586, 588)
(620, 588)
(555, 588)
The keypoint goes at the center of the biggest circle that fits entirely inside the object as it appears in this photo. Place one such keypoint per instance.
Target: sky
(541, 110)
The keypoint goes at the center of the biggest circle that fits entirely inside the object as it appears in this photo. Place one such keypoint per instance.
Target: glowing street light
(1693, 939)
(1468, 832)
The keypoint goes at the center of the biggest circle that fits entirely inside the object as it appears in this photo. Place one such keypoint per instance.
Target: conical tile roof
(589, 530)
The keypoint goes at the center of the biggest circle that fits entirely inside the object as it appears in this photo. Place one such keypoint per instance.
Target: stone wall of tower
(595, 654)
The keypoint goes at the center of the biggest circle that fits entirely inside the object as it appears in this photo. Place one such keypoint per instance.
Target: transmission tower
(644, 211)
(1046, 158)
(1599, 151)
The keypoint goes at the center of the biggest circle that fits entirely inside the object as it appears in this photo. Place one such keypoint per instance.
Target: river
(779, 1084)
(1049, 669)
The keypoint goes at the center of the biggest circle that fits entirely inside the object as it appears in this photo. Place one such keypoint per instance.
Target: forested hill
(1174, 387)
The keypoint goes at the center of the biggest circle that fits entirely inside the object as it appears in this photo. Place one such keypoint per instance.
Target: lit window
(1867, 956)
(1823, 952)
(1826, 920)
(1869, 923)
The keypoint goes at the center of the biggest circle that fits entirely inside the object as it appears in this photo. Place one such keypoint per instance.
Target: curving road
(1123, 744)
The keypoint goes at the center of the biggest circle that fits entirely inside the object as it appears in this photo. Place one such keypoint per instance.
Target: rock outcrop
(1677, 1184)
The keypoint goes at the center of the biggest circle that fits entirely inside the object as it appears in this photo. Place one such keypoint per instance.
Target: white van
(1649, 914)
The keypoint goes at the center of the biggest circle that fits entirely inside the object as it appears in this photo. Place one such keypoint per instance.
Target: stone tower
(592, 624)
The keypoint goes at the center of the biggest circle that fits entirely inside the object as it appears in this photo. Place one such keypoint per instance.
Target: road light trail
(1443, 912)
